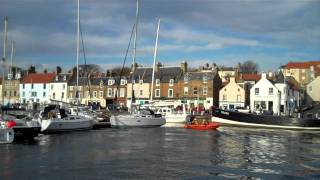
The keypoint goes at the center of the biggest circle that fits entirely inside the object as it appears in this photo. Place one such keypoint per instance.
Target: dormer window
(171, 81)
(110, 82)
(57, 78)
(186, 79)
(157, 82)
(64, 78)
(123, 82)
(141, 82)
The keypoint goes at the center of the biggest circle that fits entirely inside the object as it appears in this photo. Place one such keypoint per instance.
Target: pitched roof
(301, 65)
(164, 74)
(39, 78)
(248, 77)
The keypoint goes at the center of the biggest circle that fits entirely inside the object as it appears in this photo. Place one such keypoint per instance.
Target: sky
(268, 32)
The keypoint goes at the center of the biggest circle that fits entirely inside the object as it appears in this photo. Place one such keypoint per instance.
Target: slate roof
(39, 78)
(164, 74)
(61, 78)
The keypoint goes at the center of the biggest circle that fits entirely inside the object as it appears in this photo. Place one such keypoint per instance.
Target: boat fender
(11, 124)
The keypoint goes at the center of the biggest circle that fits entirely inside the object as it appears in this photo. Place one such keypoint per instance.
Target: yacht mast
(12, 56)
(154, 60)
(5, 37)
(78, 49)
(4, 56)
(134, 51)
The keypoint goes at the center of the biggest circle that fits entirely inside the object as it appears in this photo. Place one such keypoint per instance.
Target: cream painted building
(232, 95)
(313, 90)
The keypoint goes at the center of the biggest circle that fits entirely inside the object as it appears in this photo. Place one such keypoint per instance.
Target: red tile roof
(301, 65)
(248, 77)
(39, 78)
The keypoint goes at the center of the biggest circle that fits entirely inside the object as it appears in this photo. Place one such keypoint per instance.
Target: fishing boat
(173, 117)
(139, 117)
(230, 118)
(6, 131)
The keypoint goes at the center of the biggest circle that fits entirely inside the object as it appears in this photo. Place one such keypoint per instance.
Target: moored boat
(6, 132)
(230, 118)
(142, 118)
(207, 126)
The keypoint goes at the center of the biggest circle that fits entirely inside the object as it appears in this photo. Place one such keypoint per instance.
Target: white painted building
(35, 88)
(59, 88)
(278, 97)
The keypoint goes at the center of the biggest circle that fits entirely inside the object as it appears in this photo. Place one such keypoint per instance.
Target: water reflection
(165, 152)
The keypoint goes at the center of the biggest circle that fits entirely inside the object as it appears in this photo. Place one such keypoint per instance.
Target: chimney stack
(184, 66)
(158, 65)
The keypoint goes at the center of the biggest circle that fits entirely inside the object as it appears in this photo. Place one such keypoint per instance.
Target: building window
(270, 91)
(23, 86)
(205, 90)
(110, 82)
(256, 91)
(23, 94)
(141, 92)
(205, 79)
(109, 92)
(52, 87)
(171, 81)
(33, 94)
(157, 82)
(32, 86)
(239, 98)
(54, 95)
(95, 94)
(101, 94)
(44, 94)
(15, 93)
(170, 92)
(123, 82)
(195, 91)
(185, 91)
(122, 92)
(63, 86)
(62, 95)
(141, 82)
(224, 97)
(44, 86)
(157, 93)
(64, 78)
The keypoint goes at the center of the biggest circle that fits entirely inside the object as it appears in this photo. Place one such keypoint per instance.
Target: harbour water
(165, 153)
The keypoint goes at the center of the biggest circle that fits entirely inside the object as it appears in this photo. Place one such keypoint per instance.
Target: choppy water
(165, 153)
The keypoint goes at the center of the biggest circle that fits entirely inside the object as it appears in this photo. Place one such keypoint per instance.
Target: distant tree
(58, 69)
(117, 71)
(248, 67)
(32, 69)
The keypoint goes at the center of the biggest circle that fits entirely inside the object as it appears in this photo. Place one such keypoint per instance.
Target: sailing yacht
(139, 117)
(54, 118)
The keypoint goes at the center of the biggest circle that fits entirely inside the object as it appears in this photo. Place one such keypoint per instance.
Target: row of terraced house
(294, 84)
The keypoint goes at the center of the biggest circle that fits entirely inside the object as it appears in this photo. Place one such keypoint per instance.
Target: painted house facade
(313, 91)
(59, 88)
(277, 97)
(11, 88)
(232, 95)
(35, 88)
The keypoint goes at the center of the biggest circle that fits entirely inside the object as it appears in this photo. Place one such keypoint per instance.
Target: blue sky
(225, 32)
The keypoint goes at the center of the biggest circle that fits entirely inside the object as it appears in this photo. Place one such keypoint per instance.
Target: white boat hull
(176, 118)
(6, 135)
(58, 125)
(227, 122)
(136, 121)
